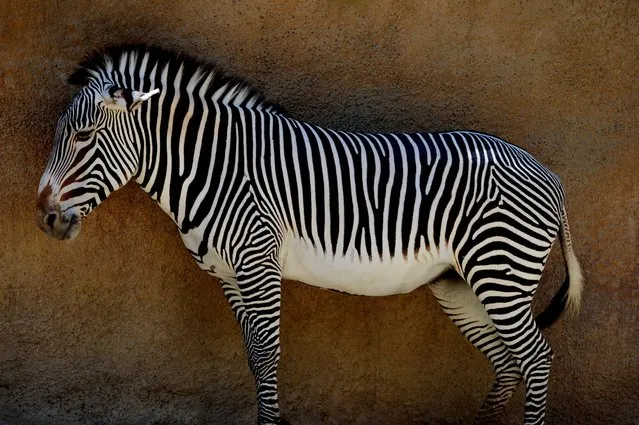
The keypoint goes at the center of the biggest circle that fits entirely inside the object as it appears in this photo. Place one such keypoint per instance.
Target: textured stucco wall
(120, 326)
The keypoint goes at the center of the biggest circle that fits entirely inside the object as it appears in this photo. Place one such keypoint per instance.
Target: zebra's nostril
(51, 218)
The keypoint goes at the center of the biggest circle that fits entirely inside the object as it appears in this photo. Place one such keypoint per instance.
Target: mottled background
(121, 327)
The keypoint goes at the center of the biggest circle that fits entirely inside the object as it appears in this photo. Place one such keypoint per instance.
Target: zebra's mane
(126, 60)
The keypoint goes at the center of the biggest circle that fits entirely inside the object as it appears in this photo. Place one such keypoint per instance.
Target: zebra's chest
(351, 274)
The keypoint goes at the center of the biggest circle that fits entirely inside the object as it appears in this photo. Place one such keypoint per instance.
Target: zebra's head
(96, 151)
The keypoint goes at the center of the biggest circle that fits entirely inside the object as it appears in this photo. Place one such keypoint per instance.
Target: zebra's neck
(194, 148)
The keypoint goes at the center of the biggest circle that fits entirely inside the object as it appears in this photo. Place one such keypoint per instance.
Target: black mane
(97, 61)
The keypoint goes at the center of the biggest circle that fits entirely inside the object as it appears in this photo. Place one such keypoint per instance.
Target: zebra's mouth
(54, 221)
(72, 229)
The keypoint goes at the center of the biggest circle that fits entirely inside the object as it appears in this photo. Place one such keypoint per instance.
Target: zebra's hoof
(283, 422)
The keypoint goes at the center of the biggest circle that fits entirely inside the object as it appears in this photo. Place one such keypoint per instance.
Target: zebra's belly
(349, 273)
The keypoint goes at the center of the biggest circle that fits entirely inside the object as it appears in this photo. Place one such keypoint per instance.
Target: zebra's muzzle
(57, 224)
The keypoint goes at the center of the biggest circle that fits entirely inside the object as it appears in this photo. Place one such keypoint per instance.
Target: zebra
(259, 196)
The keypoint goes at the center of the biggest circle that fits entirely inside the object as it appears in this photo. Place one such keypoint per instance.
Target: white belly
(349, 273)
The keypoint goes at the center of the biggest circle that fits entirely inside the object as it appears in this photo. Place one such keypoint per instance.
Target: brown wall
(121, 327)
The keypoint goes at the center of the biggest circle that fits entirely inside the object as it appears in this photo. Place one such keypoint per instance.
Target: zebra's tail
(569, 295)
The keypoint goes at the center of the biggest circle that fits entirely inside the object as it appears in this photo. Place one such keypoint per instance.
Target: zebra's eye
(83, 136)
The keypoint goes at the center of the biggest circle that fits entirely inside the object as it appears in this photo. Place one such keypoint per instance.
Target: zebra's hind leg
(466, 311)
(507, 297)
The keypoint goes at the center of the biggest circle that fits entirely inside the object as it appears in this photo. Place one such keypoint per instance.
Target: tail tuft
(576, 285)
(569, 295)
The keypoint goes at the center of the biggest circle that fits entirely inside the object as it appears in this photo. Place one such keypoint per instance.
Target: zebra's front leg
(465, 310)
(255, 300)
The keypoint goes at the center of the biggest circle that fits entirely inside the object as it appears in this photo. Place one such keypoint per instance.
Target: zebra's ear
(126, 100)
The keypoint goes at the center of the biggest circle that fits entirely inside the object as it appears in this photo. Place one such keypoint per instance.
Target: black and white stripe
(242, 180)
